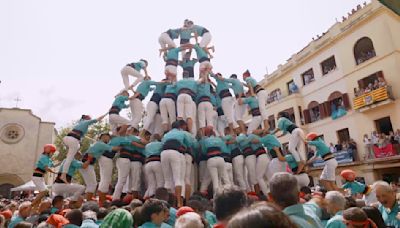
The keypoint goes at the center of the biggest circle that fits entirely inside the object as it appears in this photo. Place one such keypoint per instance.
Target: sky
(63, 59)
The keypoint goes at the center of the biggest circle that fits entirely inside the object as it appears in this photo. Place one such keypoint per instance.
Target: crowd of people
(380, 140)
(378, 83)
(285, 206)
(192, 130)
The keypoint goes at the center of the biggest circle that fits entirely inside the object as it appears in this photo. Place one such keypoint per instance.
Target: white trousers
(216, 167)
(173, 163)
(261, 170)
(302, 180)
(250, 163)
(89, 176)
(262, 103)
(275, 166)
(329, 171)
(106, 168)
(137, 112)
(151, 111)
(156, 126)
(73, 147)
(205, 178)
(116, 121)
(39, 183)
(221, 125)
(165, 40)
(227, 107)
(188, 169)
(205, 114)
(129, 71)
(296, 145)
(256, 121)
(229, 172)
(167, 110)
(205, 40)
(170, 69)
(185, 106)
(74, 191)
(154, 177)
(127, 168)
(238, 169)
(239, 111)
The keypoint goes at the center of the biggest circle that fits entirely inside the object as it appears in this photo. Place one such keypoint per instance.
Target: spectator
(293, 88)
(24, 210)
(338, 146)
(89, 219)
(261, 215)
(57, 205)
(163, 194)
(135, 203)
(227, 202)
(374, 214)
(397, 136)
(154, 213)
(23, 224)
(189, 220)
(200, 207)
(382, 82)
(335, 206)
(352, 148)
(119, 218)
(374, 138)
(101, 215)
(376, 84)
(388, 206)
(369, 153)
(382, 141)
(356, 217)
(285, 194)
(74, 217)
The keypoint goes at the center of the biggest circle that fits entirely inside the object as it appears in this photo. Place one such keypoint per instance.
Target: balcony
(375, 98)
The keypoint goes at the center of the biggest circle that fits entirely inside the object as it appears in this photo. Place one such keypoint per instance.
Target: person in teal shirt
(301, 175)
(154, 213)
(239, 110)
(188, 64)
(237, 160)
(167, 38)
(205, 107)
(92, 155)
(256, 119)
(336, 203)
(328, 175)
(24, 211)
(133, 69)
(72, 140)
(204, 60)
(114, 118)
(261, 163)
(213, 147)
(185, 105)
(278, 161)
(152, 168)
(296, 139)
(172, 60)
(388, 205)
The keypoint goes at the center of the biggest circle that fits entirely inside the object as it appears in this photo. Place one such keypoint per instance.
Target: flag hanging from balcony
(394, 5)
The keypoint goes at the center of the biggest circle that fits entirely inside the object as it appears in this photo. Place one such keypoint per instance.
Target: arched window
(337, 104)
(363, 50)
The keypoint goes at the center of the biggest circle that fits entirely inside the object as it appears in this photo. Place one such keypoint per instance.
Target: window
(384, 125)
(301, 115)
(275, 95)
(308, 77)
(292, 87)
(328, 65)
(343, 135)
(271, 122)
(371, 82)
(314, 112)
(292, 117)
(363, 50)
(12, 133)
(337, 105)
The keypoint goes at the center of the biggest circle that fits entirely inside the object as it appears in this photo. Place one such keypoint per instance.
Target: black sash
(227, 157)
(213, 152)
(153, 158)
(248, 151)
(109, 154)
(225, 93)
(291, 128)
(170, 95)
(114, 110)
(255, 112)
(259, 151)
(257, 88)
(235, 152)
(204, 59)
(76, 134)
(184, 41)
(220, 111)
(156, 98)
(171, 62)
(204, 99)
(173, 144)
(132, 155)
(59, 181)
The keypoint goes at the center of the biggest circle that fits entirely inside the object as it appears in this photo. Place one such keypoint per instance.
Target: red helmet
(50, 147)
(311, 136)
(348, 175)
(183, 210)
(246, 74)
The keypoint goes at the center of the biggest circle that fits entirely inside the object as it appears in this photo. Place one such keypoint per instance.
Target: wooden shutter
(307, 117)
(379, 74)
(322, 112)
(328, 110)
(346, 101)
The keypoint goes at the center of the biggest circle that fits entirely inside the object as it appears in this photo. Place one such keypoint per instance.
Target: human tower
(194, 126)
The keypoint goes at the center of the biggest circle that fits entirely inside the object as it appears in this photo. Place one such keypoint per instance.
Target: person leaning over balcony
(296, 138)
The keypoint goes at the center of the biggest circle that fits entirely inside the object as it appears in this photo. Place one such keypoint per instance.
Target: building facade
(22, 137)
(344, 84)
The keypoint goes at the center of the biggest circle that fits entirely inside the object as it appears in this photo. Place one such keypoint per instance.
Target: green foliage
(91, 137)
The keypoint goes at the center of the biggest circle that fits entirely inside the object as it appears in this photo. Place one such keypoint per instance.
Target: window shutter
(346, 101)
(322, 110)
(307, 117)
(328, 110)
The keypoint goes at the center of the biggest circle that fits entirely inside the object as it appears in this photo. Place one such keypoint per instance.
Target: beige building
(22, 137)
(317, 86)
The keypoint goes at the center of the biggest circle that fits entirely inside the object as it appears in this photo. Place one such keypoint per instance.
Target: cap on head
(184, 210)
(50, 148)
(312, 136)
(348, 175)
